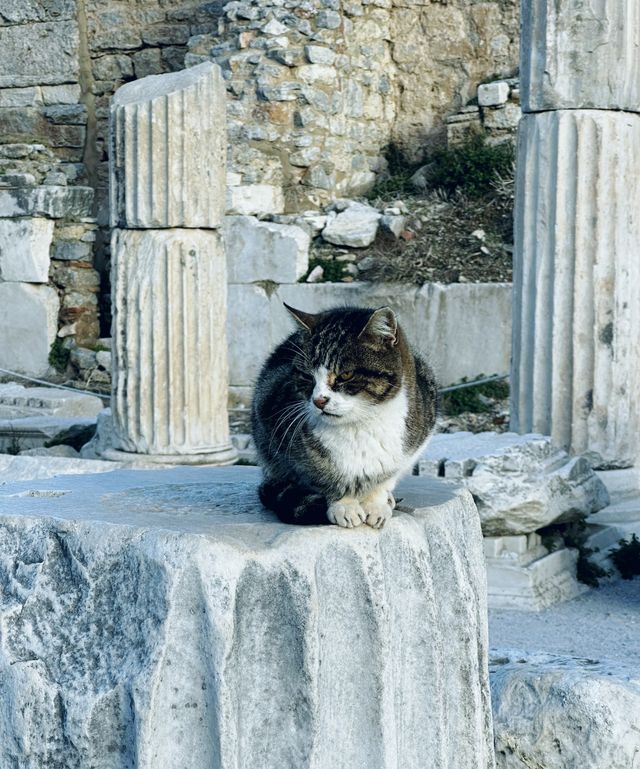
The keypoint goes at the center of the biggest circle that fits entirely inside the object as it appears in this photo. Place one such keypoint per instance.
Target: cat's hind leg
(294, 503)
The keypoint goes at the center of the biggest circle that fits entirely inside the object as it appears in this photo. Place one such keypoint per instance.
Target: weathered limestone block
(564, 712)
(580, 54)
(576, 327)
(519, 482)
(493, 94)
(39, 54)
(169, 344)
(28, 326)
(432, 316)
(265, 250)
(522, 574)
(356, 226)
(54, 202)
(249, 199)
(249, 319)
(24, 249)
(171, 618)
(168, 145)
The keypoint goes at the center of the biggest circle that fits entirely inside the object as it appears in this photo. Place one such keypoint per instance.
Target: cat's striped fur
(341, 409)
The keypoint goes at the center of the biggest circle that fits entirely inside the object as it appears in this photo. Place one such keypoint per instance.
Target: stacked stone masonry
(320, 90)
(60, 63)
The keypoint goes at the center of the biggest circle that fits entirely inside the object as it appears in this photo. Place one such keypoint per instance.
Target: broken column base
(104, 445)
(224, 456)
(523, 574)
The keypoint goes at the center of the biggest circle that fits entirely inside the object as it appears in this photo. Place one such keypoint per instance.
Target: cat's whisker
(301, 424)
(292, 423)
(295, 410)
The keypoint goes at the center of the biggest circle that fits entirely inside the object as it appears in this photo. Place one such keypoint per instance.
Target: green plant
(626, 557)
(574, 535)
(396, 181)
(474, 399)
(471, 167)
(59, 356)
(332, 271)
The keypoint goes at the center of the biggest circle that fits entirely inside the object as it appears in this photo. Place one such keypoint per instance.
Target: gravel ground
(604, 623)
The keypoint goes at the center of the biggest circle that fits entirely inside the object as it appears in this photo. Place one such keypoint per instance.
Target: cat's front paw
(378, 513)
(346, 512)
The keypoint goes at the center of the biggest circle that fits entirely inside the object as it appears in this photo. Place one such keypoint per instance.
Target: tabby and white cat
(341, 410)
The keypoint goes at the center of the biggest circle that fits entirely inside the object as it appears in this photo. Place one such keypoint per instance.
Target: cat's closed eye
(345, 376)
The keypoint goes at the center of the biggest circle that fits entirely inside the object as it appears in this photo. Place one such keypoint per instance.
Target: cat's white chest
(370, 447)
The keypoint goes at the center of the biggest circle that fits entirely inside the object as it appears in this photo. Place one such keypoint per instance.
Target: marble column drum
(576, 335)
(168, 150)
(580, 54)
(170, 375)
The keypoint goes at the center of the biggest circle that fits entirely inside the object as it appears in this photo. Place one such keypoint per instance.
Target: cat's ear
(382, 326)
(304, 319)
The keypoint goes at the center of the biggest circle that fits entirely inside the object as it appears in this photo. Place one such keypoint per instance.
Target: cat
(341, 409)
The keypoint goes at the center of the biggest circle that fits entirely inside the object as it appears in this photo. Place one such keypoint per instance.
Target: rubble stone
(265, 250)
(553, 711)
(520, 483)
(493, 94)
(356, 226)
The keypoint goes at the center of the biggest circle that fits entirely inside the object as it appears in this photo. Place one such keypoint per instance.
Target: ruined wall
(60, 62)
(441, 51)
(311, 99)
(318, 89)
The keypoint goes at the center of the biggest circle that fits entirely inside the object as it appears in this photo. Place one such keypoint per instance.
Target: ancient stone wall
(60, 63)
(441, 50)
(319, 89)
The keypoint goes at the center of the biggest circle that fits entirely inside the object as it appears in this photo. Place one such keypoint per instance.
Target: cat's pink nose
(320, 401)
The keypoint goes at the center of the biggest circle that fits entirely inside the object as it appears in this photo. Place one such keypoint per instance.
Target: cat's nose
(320, 401)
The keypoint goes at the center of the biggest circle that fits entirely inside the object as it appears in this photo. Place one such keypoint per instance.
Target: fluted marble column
(576, 338)
(170, 370)
(576, 330)
(169, 283)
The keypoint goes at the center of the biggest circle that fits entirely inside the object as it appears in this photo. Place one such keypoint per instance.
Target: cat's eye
(344, 376)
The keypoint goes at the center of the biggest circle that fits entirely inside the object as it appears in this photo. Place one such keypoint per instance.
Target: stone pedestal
(522, 574)
(576, 357)
(170, 363)
(167, 618)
